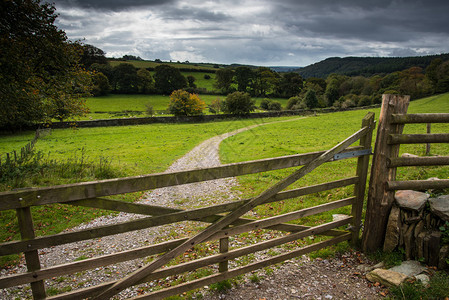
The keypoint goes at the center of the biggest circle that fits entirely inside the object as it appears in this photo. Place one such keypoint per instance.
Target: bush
(265, 103)
(274, 105)
(216, 106)
(183, 103)
(238, 103)
(292, 102)
(149, 110)
(207, 76)
(268, 104)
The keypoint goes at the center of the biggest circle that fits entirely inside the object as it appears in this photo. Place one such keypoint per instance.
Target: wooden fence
(15, 157)
(223, 226)
(383, 183)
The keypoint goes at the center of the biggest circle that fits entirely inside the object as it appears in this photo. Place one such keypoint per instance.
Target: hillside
(366, 66)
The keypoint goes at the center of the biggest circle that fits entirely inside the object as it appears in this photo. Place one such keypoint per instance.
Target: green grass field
(151, 64)
(117, 106)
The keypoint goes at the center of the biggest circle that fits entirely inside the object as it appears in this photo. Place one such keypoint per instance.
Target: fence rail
(225, 220)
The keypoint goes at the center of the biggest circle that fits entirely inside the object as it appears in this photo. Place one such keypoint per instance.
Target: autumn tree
(40, 75)
(183, 103)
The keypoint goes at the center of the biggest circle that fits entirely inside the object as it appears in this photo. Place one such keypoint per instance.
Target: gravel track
(296, 279)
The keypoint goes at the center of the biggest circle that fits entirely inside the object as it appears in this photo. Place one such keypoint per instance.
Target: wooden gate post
(362, 172)
(32, 257)
(380, 199)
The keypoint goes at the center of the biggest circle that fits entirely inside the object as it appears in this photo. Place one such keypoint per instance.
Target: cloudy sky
(259, 32)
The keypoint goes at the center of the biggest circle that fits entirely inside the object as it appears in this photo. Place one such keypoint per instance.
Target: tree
(40, 74)
(92, 55)
(224, 79)
(183, 103)
(265, 81)
(191, 80)
(168, 79)
(310, 99)
(101, 84)
(290, 85)
(238, 103)
(243, 77)
(145, 81)
(125, 79)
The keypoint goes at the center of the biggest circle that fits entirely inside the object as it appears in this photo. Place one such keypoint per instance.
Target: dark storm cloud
(258, 31)
(365, 20)
(113, 5)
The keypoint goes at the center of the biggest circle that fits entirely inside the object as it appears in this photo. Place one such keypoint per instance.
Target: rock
(423, 278)
(420, 244)
(411, 200)
(434, 248)
(419, 228)
(409, 242)
(386, 277)
(443, 256)
(409, 268)
(392, 232)
(440, 207)
(379, 265)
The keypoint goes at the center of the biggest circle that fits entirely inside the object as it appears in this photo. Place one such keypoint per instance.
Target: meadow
(117, 106)
(74, 155)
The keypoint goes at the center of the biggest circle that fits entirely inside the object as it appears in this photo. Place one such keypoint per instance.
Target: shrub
(216, 106)
(207, 76)
(292, 102)
(183, 103)
(238, 103)
(149, 110)
(265, 103)
(364, 101)
(274, 105)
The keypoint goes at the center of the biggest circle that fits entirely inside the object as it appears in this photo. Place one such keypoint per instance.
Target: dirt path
(297, 279)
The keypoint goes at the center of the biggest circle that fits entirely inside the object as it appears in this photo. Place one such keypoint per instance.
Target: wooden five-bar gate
(225, 221)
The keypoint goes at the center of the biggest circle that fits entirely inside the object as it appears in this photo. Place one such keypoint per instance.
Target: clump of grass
(39, 169)
(436, 289)
(254, 278)
(221, 286)
(390, 259)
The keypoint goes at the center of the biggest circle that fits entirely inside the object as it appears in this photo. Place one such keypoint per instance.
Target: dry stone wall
(419, 225)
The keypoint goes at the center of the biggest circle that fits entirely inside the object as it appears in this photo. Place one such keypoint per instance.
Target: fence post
(224, 247)
(428, 144)
(362, 173)
(380, 199)
(25, 220)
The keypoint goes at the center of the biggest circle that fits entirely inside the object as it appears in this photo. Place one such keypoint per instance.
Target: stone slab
(409, 268)
(386, 277)
(440, 207)
(392, 231)
(411, 200)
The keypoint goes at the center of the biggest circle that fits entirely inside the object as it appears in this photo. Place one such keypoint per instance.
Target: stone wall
(419, 225)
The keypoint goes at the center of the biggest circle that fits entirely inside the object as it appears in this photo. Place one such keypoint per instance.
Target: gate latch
(357, 153)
